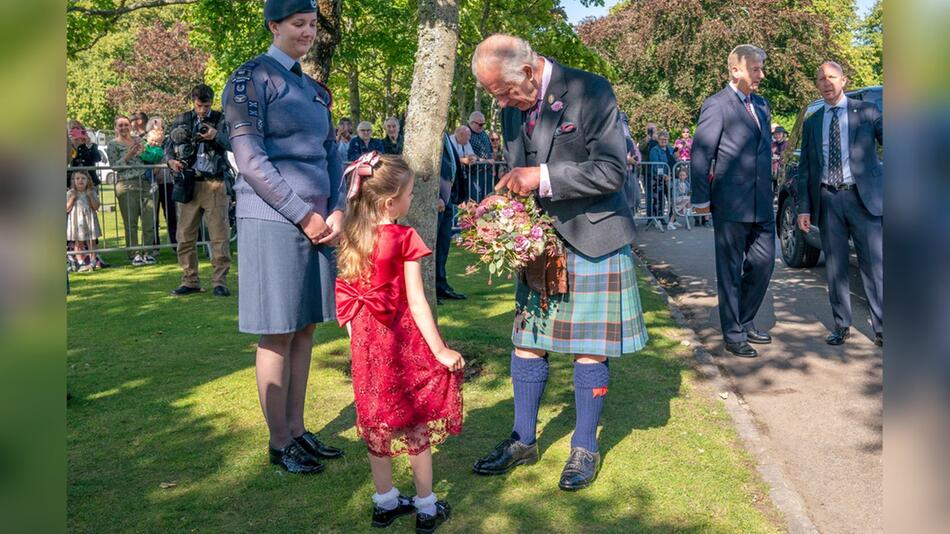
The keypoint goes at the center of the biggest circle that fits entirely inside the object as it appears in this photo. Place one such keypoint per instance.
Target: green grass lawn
(163, 392)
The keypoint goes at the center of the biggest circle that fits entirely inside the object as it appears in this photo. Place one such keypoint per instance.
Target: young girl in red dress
(407, 383)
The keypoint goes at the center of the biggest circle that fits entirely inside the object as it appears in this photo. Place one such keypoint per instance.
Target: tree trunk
(318, 61)
(460, 92)
(425, 119)
(477, 100)
(353, 79)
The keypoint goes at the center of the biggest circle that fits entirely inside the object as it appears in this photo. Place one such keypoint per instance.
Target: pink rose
(521, 243)
(557, 106)
(507, 213)
(537, 233)
(517, 206)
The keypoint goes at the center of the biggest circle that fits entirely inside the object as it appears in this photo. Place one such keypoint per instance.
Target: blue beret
(278, 10)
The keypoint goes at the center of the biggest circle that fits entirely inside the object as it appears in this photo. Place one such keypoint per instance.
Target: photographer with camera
(196, 155)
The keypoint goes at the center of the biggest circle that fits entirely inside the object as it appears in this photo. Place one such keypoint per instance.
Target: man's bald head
(829, 65)
(506, 53)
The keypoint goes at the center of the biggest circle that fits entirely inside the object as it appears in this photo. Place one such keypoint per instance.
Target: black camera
(203, 129)
(183, 143)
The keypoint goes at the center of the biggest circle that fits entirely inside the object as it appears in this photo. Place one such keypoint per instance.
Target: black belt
(842, 187)
(201, 178)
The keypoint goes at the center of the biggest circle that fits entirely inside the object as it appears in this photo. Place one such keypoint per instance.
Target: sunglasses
(479, 124)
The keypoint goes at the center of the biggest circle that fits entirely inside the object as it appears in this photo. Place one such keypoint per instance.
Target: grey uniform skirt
(284, 282)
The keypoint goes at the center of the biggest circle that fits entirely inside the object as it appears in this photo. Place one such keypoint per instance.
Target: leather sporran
(547, 275)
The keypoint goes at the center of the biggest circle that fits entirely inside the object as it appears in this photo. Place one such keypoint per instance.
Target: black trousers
(443, 240)
(843, 215)
(745, 259)
(167, 206)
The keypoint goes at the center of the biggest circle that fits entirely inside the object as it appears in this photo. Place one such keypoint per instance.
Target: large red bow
(360, 168)
(380, 300)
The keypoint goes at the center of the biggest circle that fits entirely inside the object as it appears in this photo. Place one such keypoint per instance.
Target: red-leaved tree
(160, 73)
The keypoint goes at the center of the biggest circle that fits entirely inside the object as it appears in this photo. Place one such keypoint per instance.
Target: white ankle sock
(425, 505)
(387, 501)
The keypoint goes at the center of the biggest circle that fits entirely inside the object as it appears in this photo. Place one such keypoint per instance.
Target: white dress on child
(81, 222)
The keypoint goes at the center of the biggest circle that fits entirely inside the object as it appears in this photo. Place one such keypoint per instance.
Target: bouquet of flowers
(507, 233)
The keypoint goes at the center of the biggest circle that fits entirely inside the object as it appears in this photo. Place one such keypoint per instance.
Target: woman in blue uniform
(290, 203)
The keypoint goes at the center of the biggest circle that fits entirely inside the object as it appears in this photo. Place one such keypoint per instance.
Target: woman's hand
(450, 358)
(314, 227)
(335, 225)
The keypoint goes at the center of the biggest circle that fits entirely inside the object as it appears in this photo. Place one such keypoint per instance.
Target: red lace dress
(405, 399)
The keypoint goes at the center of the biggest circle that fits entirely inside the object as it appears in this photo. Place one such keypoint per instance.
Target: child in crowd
(406, 380)
(153, 152)
(681, 194)
(82, 225)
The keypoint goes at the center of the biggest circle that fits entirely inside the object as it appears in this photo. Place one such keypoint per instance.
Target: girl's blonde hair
(72, 178)
(363, 213)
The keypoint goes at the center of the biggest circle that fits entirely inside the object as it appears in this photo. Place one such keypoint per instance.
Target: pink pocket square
(567, 127)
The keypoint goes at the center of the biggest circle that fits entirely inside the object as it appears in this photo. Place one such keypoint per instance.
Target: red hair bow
(360, 168)
(381, 301)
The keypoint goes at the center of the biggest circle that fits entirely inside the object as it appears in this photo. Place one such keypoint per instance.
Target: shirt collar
(740, 94)
(545, 78)
(842, 103)
(286, 61)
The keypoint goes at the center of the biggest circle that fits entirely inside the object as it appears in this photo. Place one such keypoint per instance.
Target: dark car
(799, 249)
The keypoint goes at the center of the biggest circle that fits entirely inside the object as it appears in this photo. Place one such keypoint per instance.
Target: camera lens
(203, 129)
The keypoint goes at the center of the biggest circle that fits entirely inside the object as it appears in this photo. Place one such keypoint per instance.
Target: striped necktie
(748, 107)
(532, 118)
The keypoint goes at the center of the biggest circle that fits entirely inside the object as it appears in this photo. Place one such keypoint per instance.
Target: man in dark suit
(450, 184)
(733, 143)
(565, 147)
(841, 191)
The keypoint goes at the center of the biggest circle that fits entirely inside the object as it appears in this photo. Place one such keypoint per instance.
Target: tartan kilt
(599, 316)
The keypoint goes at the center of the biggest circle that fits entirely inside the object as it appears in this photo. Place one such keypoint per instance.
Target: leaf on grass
(166, 485)
(724, 395)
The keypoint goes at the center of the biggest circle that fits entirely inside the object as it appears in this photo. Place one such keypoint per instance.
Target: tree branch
(121, 10)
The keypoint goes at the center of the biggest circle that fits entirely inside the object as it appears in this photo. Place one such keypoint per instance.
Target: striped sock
(528, 377)
(590, 390)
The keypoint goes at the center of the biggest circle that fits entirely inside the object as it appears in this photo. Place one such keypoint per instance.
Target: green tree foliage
(870, 42)
(671, 54)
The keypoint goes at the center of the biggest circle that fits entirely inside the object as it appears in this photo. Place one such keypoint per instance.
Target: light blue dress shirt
(286, 61)
(842, 105)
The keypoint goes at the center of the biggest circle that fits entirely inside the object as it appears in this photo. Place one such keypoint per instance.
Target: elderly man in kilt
(565, 145)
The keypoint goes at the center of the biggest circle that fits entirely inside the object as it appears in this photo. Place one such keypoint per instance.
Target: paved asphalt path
(817, 407)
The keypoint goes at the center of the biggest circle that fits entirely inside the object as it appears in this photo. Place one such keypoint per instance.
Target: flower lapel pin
(557, 106)
(567, 127)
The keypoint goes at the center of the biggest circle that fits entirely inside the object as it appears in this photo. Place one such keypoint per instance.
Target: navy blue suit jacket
(865, 128)
(729, 144)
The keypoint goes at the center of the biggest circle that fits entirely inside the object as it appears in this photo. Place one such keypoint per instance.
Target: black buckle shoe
(838, 336)
(184, 290)
(221, 291)
(754, 336)
(742, 349)
(426, 524)
(580, 470)
(507, 455)
(317, 448)
(295, 460)
(450, 294)
(384, 518)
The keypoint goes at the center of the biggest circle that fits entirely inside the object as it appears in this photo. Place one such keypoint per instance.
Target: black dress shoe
(426, 524)
(762, 338)
(221, 291)
(742, 349)
(580, 470)
(384, 518)
(507, 455)
(837, 336)
(450, 294)
(879, 340)
(295, 460)
(316, 448)
(185, 290)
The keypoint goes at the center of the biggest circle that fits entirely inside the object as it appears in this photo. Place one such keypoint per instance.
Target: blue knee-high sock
(590, 390)
(528, 377)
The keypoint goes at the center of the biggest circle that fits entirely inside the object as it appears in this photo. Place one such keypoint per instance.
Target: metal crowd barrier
(482, 176)
(158, 197)
(680, 194)
(652, 194)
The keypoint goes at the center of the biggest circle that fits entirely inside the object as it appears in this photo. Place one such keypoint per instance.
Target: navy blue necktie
(835, 174)
(296, 69)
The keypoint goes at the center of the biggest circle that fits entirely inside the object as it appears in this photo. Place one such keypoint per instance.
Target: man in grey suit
(841, 191)
(566, 147)
(731, 176)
